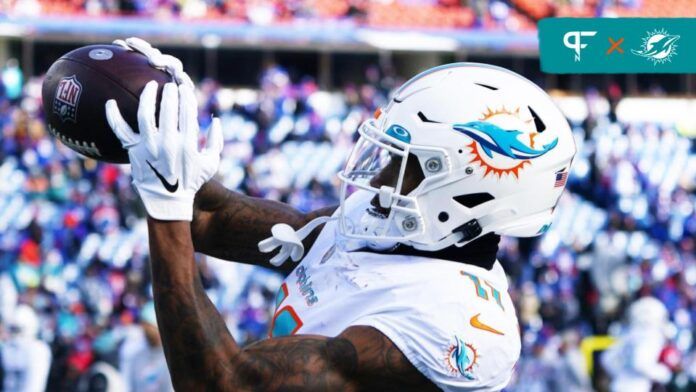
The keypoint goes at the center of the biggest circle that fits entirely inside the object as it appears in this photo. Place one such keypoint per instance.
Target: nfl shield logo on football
(67, 98)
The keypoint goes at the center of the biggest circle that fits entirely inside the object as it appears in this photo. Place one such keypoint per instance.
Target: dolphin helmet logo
(502, 141)
(658, 46)
(495, 141)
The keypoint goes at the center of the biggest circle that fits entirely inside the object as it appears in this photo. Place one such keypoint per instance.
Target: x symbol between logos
(615, 45)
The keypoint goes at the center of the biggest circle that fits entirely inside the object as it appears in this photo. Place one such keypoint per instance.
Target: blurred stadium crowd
(73, 242)
(507, 14)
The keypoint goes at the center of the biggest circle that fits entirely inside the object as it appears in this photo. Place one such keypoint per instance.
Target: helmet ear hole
(487, 86)
(414, 174)
(540, 126)
(473, 199)
(443, 217)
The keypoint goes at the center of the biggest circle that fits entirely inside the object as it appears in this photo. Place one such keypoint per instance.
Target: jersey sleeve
(441, 343)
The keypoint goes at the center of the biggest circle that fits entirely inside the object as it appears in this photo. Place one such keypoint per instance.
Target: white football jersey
(454, 322)
(26, 363)
(634, 361)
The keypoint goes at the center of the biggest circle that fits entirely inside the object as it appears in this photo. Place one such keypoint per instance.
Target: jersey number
(481, 291)
(285, 321)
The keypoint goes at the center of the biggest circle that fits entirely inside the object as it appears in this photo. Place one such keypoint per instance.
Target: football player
(398, 288)
(25, 359)
(634, 361)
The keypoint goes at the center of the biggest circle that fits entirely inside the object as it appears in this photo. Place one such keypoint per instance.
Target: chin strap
(452, 239)
(468, 232)
(289, 240)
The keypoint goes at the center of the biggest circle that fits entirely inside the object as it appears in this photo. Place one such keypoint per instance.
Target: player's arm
(202, 354)
(229, 225)
(225, 224)
(645, 361)
(168, 169)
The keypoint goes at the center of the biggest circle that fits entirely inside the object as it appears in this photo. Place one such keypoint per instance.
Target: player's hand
(165, 62)
(167, 166)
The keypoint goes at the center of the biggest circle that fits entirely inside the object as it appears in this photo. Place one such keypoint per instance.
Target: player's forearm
(229, 225)
(202, 355)
(196, 342)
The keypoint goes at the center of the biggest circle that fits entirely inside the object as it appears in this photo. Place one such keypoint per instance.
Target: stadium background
(291, 81)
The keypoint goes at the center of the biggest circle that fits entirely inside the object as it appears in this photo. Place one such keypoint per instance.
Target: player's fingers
(188, 117)
(209, 165)
(153, 54)
(215, 141)
(183, 79)
(140, 45)
(172, 64)
(122, 43)
(138, 42)
(169, 126)
(159, 60)
(136, 169)
(146, 117)
(169, 110)
(173, 67)
(121, 129)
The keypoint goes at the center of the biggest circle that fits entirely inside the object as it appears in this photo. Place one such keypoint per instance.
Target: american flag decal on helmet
(561, 178)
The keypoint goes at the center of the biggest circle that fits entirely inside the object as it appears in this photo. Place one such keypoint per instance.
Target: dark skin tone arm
(202, 355)
(229, 225)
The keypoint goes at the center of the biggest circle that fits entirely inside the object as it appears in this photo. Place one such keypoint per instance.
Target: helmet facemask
(485, 166)
(385, 164)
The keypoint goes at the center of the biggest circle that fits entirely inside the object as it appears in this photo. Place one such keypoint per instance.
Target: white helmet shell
(647, 312)
(24, 321)
(494, 149)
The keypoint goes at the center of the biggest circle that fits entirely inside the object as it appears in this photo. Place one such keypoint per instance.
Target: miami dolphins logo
(461, 358)
(494, 143)
(658, 46)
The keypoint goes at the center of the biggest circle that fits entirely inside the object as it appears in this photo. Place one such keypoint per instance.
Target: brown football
(77, 87)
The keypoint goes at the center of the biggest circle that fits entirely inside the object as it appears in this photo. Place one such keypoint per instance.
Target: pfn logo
(573, 40)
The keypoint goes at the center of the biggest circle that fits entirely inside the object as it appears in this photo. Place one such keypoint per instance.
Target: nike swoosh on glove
(167, 166)
(165, 62)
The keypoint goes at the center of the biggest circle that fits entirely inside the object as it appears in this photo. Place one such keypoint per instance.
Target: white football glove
(165, 62)
(167, 166)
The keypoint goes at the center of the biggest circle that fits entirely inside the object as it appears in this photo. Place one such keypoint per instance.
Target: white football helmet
(646, 313)
(494, 152)
(24, 321)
